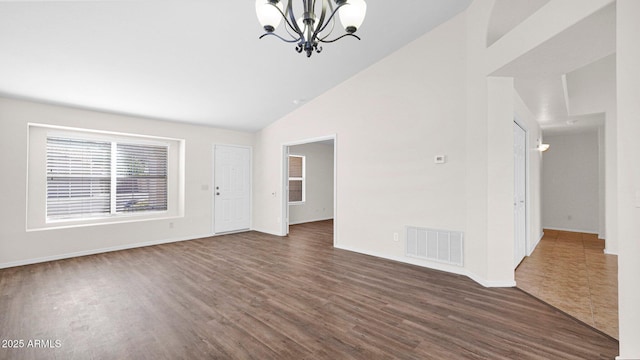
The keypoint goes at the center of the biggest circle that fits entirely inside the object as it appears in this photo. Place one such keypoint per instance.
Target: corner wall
(18, 246)
(429, 98)
(390, 121)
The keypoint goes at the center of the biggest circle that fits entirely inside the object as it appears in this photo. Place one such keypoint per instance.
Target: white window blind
(78, 178)
(141, 178)
(92, 179)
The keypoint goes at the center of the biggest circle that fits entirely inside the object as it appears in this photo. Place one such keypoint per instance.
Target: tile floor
(570, 271)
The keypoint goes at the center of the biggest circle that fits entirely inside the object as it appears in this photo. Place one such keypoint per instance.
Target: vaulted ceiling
(568, 82)
(197, 61)
(200, 61)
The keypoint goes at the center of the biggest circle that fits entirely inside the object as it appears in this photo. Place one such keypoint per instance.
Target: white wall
(318, 203)
(19, 246)
(602, 185)
(611, 182)
(592, 90)
(500, 186)
(628, 156)
(390, 121)
(570, 183)
(429, 98)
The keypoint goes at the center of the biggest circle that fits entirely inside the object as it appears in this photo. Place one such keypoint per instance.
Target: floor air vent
(435, 245)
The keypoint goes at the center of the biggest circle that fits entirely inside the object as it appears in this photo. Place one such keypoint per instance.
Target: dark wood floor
(256, 296)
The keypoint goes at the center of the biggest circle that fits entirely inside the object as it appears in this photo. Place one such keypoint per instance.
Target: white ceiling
(188, 60)
(507, 14)
(568, 82)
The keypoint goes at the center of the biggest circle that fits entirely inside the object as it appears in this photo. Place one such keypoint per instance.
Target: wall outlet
(396, 237)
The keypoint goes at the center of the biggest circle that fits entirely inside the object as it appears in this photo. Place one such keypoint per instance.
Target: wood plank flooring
(570, 271)
(257, 296)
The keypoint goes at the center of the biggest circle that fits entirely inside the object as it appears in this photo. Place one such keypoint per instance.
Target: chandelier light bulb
(352, 14)
(268, 16)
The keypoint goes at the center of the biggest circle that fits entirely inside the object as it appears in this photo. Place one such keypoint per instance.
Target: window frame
(37, 218)
(302, 179)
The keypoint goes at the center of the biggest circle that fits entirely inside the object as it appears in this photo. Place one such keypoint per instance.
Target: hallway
(570, 271)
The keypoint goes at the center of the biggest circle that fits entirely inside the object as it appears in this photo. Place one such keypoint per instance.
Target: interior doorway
(309, 182)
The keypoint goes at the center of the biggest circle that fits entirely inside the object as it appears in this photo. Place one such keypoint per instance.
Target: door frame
(213, 184)
(284, 176)
(527, 194)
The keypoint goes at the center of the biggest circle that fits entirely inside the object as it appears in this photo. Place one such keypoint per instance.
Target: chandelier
(307, 30)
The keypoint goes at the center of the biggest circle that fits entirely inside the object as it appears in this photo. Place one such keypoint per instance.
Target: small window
(296, 179)
(100, 178)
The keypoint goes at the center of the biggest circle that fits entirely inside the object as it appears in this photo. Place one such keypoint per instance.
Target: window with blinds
(296, 179)
(141, 178)
(78, 178)
(92, 179)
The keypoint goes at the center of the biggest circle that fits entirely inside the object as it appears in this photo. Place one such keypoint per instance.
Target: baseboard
(572, 230)
(268, 232)
(433, 266)
(534, 245)
(310, 221)
(97, 251)
(490, 284)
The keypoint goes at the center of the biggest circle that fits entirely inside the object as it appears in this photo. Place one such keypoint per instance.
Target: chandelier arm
(339, 37)
(280, 37)
(332, 21)
(287, 23)
(333, 26)
(293, 23)
(321, 20)
(333, 14)
(287, 27)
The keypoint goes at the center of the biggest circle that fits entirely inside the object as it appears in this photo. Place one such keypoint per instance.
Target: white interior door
(520, 193)
(232, 188)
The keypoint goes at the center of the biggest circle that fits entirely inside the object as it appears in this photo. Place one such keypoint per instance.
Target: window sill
(79, 223)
